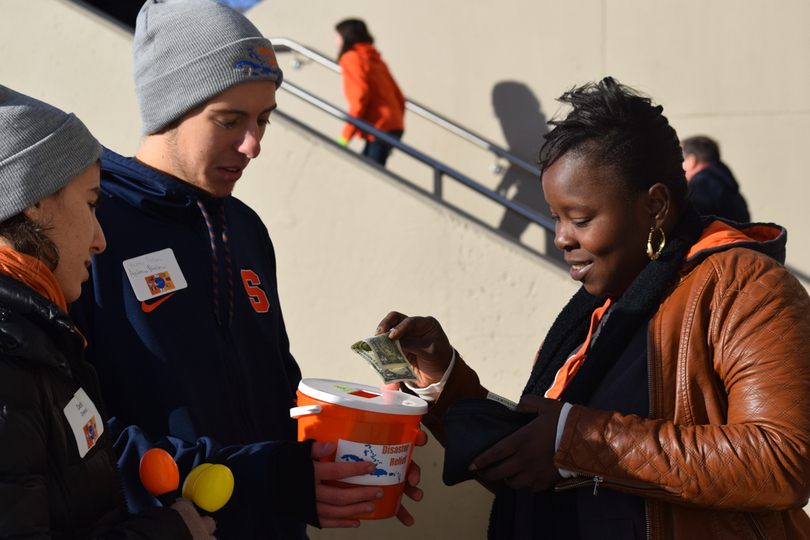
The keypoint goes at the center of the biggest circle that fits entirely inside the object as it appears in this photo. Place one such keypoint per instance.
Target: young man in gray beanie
(183, 310)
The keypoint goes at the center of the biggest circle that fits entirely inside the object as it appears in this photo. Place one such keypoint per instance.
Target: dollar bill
(386, 358)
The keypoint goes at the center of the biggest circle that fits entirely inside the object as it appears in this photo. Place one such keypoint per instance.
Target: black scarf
(637, 305)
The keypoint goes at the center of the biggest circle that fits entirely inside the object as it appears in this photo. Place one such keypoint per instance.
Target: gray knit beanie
(188, 51)
(41, 150)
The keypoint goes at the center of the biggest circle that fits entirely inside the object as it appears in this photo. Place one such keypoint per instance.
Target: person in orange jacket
(370, 90)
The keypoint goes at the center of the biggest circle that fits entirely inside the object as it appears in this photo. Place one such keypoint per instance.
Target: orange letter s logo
(257, 297)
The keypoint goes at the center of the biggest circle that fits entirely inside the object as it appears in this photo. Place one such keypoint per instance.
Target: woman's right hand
(424, 343)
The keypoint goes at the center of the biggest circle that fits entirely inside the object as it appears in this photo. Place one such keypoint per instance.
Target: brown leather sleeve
(733, 386)
(462, 383)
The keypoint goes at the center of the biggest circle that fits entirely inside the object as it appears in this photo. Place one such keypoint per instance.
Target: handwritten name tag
(154, 274)
(84, 420)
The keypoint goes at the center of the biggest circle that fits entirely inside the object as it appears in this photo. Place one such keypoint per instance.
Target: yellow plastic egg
(188, 483)
(213, 488)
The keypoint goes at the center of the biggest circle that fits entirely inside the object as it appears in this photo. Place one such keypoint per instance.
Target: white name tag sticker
(84, 420)
(154, 274)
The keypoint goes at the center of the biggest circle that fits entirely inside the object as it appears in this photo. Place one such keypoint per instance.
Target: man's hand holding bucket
(335, 505)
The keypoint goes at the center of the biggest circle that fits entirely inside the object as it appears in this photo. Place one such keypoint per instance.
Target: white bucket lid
(362, 397)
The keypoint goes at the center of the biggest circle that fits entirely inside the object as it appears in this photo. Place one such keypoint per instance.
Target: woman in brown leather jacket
(669, 399)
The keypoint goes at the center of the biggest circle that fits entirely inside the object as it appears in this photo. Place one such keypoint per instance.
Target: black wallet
(471, 426)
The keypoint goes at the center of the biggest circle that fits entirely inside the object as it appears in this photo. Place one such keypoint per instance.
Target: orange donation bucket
(367, 424)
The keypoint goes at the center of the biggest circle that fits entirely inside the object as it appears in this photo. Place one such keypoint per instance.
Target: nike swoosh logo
(150, 307)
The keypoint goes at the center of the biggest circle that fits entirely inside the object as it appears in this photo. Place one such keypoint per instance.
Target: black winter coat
(47, 490)
(715, 193)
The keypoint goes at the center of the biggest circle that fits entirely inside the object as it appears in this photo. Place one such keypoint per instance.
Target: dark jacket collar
(34, 328)
(150, 190)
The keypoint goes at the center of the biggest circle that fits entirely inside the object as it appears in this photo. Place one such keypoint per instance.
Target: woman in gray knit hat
(57, 474)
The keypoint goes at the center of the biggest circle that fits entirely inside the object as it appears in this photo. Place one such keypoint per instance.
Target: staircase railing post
(437, 183)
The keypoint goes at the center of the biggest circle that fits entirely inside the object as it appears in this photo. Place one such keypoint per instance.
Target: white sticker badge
(391, 461)
(84, 420)
(154, 274)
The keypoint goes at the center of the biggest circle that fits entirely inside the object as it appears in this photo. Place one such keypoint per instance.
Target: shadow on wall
(524, 125)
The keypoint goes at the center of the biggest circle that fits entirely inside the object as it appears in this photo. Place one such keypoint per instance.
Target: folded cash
(386, 358)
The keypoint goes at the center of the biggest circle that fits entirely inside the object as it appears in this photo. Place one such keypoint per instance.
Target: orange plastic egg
(159, 472)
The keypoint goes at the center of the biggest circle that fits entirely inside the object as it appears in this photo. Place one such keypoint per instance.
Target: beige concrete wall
(737, 71)
(353, 244)
(60, 54)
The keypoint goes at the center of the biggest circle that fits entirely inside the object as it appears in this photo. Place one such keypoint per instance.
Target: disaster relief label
(391, 461)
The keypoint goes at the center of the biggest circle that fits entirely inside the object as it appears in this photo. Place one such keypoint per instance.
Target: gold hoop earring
(653, 255)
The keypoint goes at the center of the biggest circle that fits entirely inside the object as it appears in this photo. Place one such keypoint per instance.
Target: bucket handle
(297, 412)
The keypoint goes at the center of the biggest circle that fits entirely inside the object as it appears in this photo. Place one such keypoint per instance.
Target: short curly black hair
(614, 126)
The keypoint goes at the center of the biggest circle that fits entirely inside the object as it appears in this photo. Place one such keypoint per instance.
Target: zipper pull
(596, 480)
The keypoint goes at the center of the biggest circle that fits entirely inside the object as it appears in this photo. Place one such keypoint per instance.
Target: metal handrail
(286, 45)
(439, 169)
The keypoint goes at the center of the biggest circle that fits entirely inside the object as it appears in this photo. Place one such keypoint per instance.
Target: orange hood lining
(719, 234)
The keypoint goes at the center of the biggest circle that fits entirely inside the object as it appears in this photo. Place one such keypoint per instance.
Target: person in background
(370, 90)
(58, 477)
(182, 311)
(669, 398)
(712, 187)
